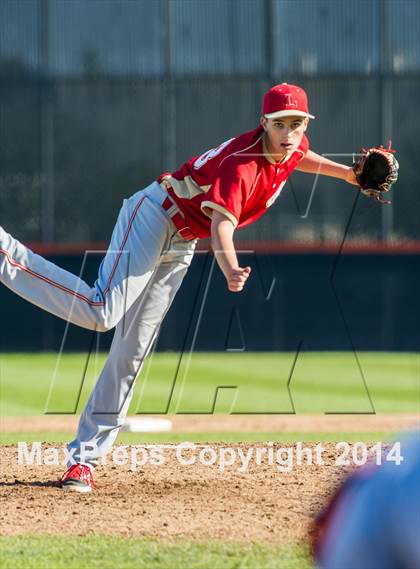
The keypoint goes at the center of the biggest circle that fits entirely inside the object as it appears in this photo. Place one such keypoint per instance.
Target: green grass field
(30, 384)
(41, 552)
(321, 382)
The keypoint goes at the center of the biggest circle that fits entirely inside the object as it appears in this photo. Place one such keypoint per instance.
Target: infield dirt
(235, 423)
(173, 501)
(169, 501)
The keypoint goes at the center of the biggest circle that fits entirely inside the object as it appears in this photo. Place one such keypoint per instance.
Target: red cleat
(78, 478)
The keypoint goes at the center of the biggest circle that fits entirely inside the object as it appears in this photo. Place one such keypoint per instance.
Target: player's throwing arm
(222, 231)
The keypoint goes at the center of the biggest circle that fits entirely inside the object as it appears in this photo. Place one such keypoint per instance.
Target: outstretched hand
(237, 278)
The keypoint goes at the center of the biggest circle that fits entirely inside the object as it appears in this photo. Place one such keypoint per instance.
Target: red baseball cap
(285, 100)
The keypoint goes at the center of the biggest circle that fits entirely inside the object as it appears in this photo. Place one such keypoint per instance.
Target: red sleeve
(229, 191)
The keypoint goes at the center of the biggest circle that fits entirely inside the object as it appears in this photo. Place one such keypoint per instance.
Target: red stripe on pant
(12, 262)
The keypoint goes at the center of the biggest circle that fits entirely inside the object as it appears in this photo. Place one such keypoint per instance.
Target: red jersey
(239, 178)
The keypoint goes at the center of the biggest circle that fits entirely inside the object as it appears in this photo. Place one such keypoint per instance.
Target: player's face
(284, 134)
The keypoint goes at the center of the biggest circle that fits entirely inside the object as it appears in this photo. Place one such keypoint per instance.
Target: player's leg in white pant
(134, 336)
(141, 233)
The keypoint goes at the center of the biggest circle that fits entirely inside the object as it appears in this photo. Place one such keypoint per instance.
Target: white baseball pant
(137, 282)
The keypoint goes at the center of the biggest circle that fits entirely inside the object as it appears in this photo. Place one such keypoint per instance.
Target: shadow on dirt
(46, 484)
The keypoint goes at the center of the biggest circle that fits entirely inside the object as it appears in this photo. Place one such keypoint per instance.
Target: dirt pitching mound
(178, 501)
(172, 500)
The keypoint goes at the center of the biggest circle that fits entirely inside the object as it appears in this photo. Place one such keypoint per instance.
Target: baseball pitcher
(152, 246)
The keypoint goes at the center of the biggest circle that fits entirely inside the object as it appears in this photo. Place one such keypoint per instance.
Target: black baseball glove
(376, 171)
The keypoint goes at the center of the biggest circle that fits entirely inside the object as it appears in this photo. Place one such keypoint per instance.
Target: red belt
(177, 219)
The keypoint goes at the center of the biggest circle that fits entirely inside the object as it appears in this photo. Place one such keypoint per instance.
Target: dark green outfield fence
(311, 301)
